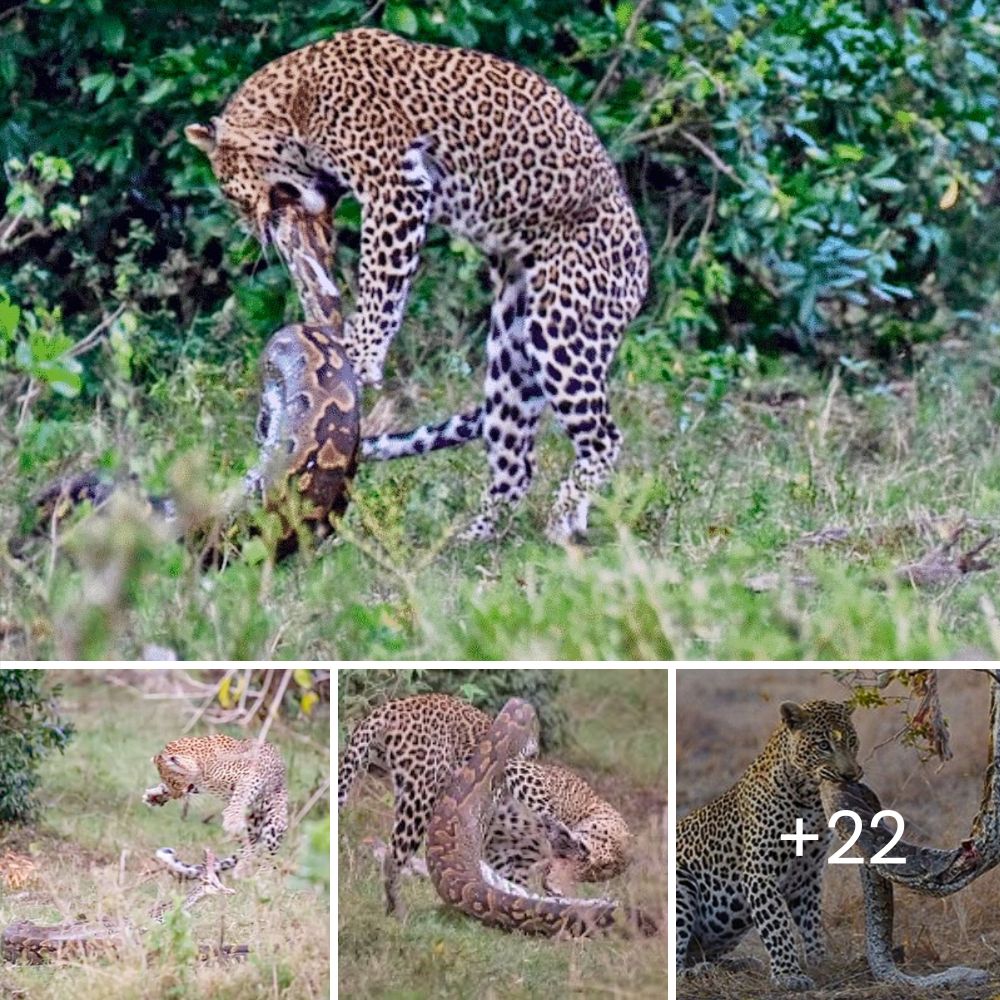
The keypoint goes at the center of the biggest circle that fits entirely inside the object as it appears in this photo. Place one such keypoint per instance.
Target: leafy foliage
(804, 168)
(30, 729)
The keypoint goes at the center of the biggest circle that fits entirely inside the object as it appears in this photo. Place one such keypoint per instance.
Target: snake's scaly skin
(308, 424)
(455, 848)
(927, 870)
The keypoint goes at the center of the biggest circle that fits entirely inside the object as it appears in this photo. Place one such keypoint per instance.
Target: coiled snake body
(455, 848)
(308, 423)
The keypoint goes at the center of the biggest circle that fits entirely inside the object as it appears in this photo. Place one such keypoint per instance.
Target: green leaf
(61, 379)
(112, 32)
(891, 185)
(978, 131)
(847, 151)
(623, 14)
(158, 91)
(399, 17)
(10, 316)
(254, 552)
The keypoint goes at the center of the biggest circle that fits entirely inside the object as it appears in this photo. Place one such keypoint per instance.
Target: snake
(308, 424)
(927, 870)
(455, 837)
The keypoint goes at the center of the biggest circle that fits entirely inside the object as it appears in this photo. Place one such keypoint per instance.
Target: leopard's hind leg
(414, 791)
(586, 289)
(512, 408)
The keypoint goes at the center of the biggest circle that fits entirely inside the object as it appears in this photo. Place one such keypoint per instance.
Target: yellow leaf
(303, 678)
(439, 948)
(309, 699)
(225, 698)
(950, 196)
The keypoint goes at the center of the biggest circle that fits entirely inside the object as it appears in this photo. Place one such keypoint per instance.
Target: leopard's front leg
(235, 821)
(394, 219)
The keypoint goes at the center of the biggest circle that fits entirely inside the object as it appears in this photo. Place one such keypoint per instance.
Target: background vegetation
(617, 739)
(89, 855)
(818, 182)
(30, 729)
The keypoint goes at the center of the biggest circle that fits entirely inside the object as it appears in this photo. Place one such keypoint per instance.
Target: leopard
(547, 824)
(424, 134)
(247, 775)
(735, 873)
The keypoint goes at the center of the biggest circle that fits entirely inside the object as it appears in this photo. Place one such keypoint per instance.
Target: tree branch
(627, 39)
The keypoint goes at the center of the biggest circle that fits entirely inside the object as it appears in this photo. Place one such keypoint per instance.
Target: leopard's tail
(355, 759)
(459, 429)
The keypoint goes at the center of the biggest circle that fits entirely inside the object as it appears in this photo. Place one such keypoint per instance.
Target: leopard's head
(261, 170)
(822, 740)
(179, 772)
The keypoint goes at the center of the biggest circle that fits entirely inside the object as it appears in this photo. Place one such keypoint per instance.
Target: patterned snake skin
(308, 424)
(455, 849)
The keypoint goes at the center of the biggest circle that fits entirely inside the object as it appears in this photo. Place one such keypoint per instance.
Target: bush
(361, 690)
(30, 729)
(837, 166)
(810, 173)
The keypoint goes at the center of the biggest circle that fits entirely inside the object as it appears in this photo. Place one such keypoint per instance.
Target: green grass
(92, 847)
(618, 742)
(708, 496)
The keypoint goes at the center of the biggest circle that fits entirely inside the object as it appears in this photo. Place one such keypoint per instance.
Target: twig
(313, 799)
(275, 703)
(627, 40)
(85, 343)
(658, 132)
(255, 708)
(208, 701)
(711, 155)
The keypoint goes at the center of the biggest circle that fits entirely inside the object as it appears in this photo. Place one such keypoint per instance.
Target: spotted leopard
(735, 873)
(546, 823)
(422, 134)
(250, 778)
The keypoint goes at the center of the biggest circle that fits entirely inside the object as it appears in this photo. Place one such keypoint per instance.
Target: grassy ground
(618, 742)
(724, 718)
(768, 525)
(92, 849)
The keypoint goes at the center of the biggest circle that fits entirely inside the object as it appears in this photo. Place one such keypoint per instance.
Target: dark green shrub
(30, 729)
(809, 173)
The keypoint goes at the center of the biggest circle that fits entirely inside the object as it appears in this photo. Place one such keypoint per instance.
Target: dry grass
(724, 717)
(92, 854)
(619, 744)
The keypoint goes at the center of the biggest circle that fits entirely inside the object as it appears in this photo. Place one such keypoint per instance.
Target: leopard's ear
(202, 136)
(792, 715)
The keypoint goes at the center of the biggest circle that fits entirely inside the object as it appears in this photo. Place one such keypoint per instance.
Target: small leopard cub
(249, 777)
(735, 873)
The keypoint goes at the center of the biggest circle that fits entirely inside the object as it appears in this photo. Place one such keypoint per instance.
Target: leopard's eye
(824, 746)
